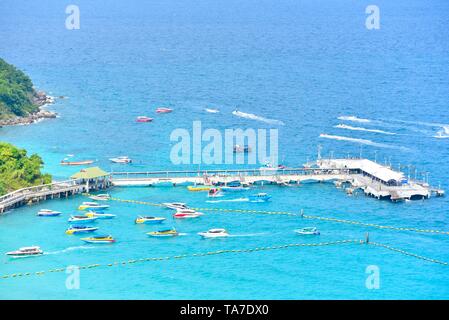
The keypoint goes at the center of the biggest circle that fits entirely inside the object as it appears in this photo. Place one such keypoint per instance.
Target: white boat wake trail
(71, 249)
(361, 141)
(229, 200)
(247, 235)
(256, 117)
(344, 126)
(354, 119)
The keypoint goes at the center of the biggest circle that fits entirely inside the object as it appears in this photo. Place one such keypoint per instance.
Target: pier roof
(90, 173)
(374, 169)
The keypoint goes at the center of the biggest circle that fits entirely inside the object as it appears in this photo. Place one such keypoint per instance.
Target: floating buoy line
(227, 251)
(301, 214)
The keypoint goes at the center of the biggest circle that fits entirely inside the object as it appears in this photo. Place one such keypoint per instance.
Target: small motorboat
(210, 110)
(307, 231)
(82, 219)
(164, 233)
(99, 239)
(164, 110)
(93, 206)
(214, 192)
(100, 197)
(48, 213)
(199, 188)
(175, 205)
(149, 220)
(121, 159)
(100, 215)
(80, 229)
(143, 119)
(234, 188)
(214, 233)
(187, 214)
(241, 149)
(75, 163)
(26, 252)
(260, 197)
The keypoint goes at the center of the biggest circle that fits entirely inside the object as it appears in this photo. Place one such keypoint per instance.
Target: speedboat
(199, 188)
(214, 233)
(260, 197)
(101, 197)
(82, 219)
(164, 110)
(26, 252)
(122, 159)
(80, 229)
(100, 215)
(307, 231)
(187, 214)
(99, 239)
(215, 192)
(75, 163)
(92, 206)
(164, 233)
(149, 220)
(143, 119)
(212, 110)
(241, 149)
(234, 188)
(48, 213)
(175, 205)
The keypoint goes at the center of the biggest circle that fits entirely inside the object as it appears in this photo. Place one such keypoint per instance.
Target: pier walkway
(373, 179)
(221, 177)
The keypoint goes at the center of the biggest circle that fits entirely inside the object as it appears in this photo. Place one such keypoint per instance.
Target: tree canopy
(16, 92)
(17, 170)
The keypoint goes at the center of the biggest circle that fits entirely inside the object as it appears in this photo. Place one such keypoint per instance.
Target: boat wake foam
(71, 249)
(247, 235)
(257, 118)
(353, 119)
(361, 141)
(229, 200)
(344, 126)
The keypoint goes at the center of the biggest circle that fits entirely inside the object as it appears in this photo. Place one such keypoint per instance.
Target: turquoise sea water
(301, 62)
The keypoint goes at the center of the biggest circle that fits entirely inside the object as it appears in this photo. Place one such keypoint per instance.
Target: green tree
(16, 92)
(17, 170)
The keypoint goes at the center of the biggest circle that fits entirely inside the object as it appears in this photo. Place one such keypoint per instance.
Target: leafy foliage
(17, 170)
(16, 91)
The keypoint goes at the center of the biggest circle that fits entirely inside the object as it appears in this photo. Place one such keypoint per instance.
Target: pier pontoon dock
(374, 179)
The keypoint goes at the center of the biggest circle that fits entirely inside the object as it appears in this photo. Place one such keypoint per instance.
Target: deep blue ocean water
(305, 63)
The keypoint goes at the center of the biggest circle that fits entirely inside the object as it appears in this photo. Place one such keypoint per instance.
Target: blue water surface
(309, 65)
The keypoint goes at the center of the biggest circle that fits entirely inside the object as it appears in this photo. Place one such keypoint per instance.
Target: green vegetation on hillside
(17, 170)
(16, 92)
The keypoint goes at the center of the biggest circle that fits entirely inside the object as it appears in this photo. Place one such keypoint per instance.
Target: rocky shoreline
(40, 99)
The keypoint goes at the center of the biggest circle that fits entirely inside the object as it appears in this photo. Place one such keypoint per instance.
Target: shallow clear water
(301, 63)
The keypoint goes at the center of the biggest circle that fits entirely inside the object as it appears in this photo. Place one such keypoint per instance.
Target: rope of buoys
(372, 225)
(181, 256)
(408, 253)
(287, 213)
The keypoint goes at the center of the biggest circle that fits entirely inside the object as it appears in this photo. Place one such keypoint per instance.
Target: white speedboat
(82, 219)
(187, 214)
(175, 205)
(100, 197)
(25, 252)
(122, 159)
(308, 231)
(93, 206)
(100, 215)
(149, 220)
(48, 213)
(214, 233)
